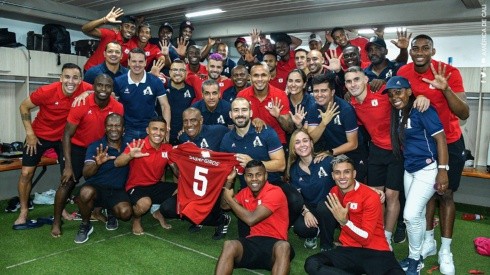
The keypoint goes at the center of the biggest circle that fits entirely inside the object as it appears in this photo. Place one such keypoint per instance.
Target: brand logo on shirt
(322, 173)
(226, 70)
(187, 94)
(259, 202)
(233, 145)
(126, 91)
(147, 91)
(353, 205)
(300, 179)
(89, 112)
(431, 87)
(374, 102)
(257, 142)
(336, 120)
(221, 120)
(246, 200)
(389, 74)
(126, 51)
(56, 103)
(165, 155)
(204, 144)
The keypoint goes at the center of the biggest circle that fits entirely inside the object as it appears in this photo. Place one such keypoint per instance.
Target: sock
(429, 235)
(388, 236)
(446, 244)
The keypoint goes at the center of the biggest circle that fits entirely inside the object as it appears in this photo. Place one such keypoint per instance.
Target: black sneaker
(222, 229)
(194, 228)
(111, 223)
(400, 233)
(83, 232)
(14, 205)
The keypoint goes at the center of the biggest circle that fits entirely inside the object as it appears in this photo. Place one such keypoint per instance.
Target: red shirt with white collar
(280, 80)
(106, 36)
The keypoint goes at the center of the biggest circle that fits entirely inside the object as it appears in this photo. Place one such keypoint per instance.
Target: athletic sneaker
(310, 243)
(446, 264)
(111, 223)
(83, 232)
(222, 229)
(400, 235)
(194, 228)
(14, 205)
(405, 264)
(429, 248)
(413, 267)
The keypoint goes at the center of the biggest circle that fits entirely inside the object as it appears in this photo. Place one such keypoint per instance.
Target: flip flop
(30, 224)
(139, 233)
(45, 220)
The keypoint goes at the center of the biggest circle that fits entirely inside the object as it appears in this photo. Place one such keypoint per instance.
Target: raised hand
(164, 47)
(402, 41)
(112, 16)
(102, 156)
(255, 35)
(135, 149)
(259, 124)
(339, 212)
(249, 57)
(334, 63)
(157, 66)
(440, 78)
(181, 46)
(329, 113)
(299, 115)
(275, 108)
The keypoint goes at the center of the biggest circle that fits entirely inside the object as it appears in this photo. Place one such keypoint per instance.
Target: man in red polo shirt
(278, 78)
(443, 85)
(85, 124)
(54, 102)
(342, 40)
(122, 36)
(269, 104)
(141, 40)
(194, 66)
(148, 159)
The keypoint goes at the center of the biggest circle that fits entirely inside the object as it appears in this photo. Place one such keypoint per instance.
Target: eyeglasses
(174, 70)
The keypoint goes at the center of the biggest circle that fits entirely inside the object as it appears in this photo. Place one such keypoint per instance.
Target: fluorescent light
(203, 13)
(387, 30)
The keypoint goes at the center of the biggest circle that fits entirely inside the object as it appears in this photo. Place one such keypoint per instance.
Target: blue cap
(396, 82)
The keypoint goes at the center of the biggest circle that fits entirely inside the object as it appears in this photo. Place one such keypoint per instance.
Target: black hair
(328, 78)
(106, 76)
(113, 42)
(424, 36)
(273, 53)
(301, 73)
(71, 66)
(136, 50)
(157, 119)
(254, 163)
(399, 120)
(114, 115)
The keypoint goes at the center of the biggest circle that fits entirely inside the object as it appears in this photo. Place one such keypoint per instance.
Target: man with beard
(443, 86)
(195, 131)
(194, 66)
(111, 66)
(122, 36)
(228, 63)
(104, 183)
(246, 58)
(85, 124)
(152, 52)
(239, 76)
(278, 78)
(213, 109)
(46, 131)
(214, 69)
(316, 66)
(180, 97)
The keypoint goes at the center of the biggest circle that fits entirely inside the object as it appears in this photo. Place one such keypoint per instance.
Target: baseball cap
(314, 37)
(166, 25)
(376, 41)
(396, 82)
(186, 24)
(240, 40)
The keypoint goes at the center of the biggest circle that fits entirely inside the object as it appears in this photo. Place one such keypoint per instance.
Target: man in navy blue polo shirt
(332, 123)
(214, 110)
(111, 66)
(264, 146)
(204, 136)
(180, 97)
(104, 185)
(239, 76)
(138, 92)
(228, 63)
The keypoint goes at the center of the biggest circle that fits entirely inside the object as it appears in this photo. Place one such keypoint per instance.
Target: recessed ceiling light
(387, 30)
(203, 13)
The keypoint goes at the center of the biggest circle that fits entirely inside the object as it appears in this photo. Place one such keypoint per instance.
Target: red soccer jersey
(54, 107)
(90, 120)
(449, 120)
(202, 72)
(280, 81)
(259, 110)
(284, 67)
(273, 198)
(152, 52)
(374, 113)
(365, 226)
(146, 171)
(202, 176)
(106, 36)
(196, 83)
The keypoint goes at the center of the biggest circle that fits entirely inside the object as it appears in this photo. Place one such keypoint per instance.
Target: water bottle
(472, 217)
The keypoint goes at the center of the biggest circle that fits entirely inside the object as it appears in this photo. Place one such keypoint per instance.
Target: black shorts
(34, 160)
(157, 192)
(384, 169)
(107, 197)
(257, 252)
(457, 157)
(77, 161)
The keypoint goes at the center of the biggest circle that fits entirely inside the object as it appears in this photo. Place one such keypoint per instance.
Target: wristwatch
(441, 166)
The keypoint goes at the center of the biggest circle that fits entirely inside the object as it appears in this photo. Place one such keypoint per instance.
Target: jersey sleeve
(272, 139)
(91, 151)
(313, 115)
(348, 119)
(274, 199)
(39, 96)
(455, 81)
(431, 121)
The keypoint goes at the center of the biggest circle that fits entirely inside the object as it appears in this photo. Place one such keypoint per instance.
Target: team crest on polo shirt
(269, 104)
(165, 155)
(374, 102)
(126, 51)
(221, 84)
(147, 53)
(336, 120)
(204, 144)
(259, 202)
(187, 94)
(300, 179)
(322, 173)
(280, 80)
(233, 145)
(353, 205)
(257, 142)
(147, 91)
(431, 87)
(389, 74)
(56, 103)
(221, 120)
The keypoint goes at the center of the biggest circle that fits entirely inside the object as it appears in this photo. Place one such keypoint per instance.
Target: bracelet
(304, 212)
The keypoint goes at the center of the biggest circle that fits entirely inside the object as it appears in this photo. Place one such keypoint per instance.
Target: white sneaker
(429, 248)
(446, 264)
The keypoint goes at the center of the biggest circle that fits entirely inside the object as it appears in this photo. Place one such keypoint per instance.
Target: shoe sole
(88, 235)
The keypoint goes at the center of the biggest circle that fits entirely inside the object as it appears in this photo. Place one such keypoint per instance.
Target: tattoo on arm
(26, 116)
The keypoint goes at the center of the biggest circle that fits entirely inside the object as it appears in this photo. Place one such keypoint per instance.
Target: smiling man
(204, 136)
(213, 109)
(239, 76)
(111, 66)
(152, 52)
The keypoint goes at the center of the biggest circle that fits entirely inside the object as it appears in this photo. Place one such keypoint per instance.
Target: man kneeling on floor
(104, 185)
(264, 208)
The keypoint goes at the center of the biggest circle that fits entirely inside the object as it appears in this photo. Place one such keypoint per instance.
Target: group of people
(335, 136)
